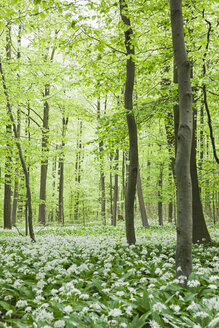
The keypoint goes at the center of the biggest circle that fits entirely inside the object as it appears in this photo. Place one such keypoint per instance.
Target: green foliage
(87, 276)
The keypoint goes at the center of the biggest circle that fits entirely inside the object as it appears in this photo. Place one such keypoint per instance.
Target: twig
(14, 225)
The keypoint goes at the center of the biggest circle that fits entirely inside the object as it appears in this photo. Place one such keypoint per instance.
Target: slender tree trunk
(23, 164)
(144, 218)
(170, 204)
(61, 170)
(8, 166)
(115, 197)
(78, 163)
(54, 170)
(132, 128)
(184, 143)
(45, 149)
(111, 190)
(16, 184)
(159, 194)
(102, 174)
(44, 161)
(7, 184)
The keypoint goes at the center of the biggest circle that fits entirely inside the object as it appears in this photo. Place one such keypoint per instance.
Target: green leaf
(5, 305)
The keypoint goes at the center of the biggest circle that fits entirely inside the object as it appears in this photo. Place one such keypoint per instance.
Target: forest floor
(88, 277)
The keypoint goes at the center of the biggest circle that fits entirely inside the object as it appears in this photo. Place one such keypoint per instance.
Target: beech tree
(133, 139)
(184, 144)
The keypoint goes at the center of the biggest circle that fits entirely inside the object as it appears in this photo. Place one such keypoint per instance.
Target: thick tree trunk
(144, 218)
(200, 232)
(123, 183)
(184, 143)
(132, 128)
(8, 166)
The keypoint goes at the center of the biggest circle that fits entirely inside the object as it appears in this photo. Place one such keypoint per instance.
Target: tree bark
(132, 128)
(184, 143)
(111, 190)
(16, 184)
(8, 166)
(200, 232)
(159, 194)
(102, 174)
(45, 149)
(144, 218)
(44, 161)
(78, 163)
(61, 171)
(115, 196)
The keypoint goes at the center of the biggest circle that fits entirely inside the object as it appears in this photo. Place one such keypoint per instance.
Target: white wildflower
(212, 286)
(28, 309)
(43, 315)
(154, 324)
(158, 307)
(68, 309)
(214, 322)
(129, 310)
(115, 312)
(9, 313)
(176, 308)
(8, 298)
(59, 324)
(21, 304)
(120, 293)
(213, 278)
(193, 283)
(84, 296)
(123, 324)
(201, 314)
(85, 309)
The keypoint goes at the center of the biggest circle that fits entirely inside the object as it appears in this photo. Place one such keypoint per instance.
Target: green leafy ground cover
(89, 277)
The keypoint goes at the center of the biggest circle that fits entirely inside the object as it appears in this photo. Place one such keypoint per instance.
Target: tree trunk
(159, 194)
(102, 174)
(184, 143)
(200, 231)
(61, 171)
(54, 166)
(16, 184)
(132, 128)
(23, 164)
(78, 170)
(111, 191)
(144, 218)
(44, 161)
(115, 197)
(15, 201)
(8, 166)
(123, 183)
